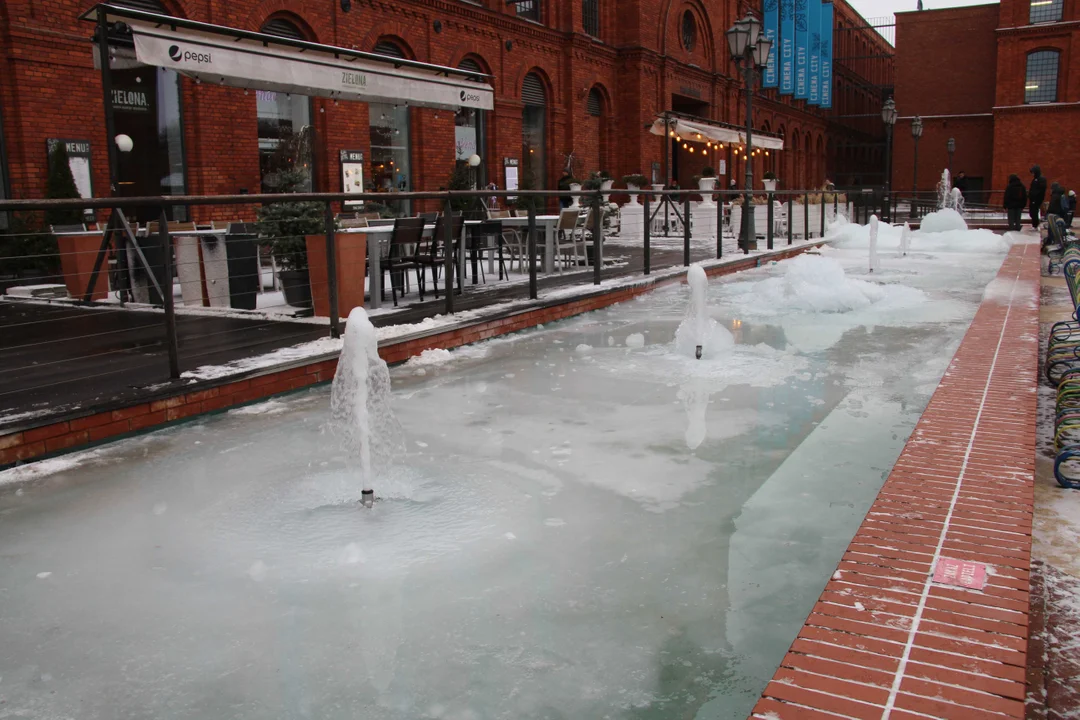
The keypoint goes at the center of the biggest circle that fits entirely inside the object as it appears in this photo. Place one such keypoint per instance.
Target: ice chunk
(635, 340)
(943, 220)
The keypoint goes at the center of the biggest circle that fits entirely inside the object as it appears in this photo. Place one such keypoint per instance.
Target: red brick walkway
(884, 639)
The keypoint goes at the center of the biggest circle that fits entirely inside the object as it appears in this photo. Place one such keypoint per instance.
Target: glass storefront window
(534, 161)
(469, 141)
(285, 138)
(390, 153)
(146, 108)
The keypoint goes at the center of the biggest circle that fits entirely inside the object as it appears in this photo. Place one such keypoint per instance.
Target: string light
(691, 149)
(743, 157)
(766, 153)
(704, 152)
(678, 139)
(672, 133)
(685, 146)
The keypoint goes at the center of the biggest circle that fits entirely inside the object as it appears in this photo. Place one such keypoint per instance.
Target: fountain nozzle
(697, 352)
(367, 497)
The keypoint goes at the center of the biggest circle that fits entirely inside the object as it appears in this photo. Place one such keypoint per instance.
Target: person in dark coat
(1071, 209)
(1036, 195)
(565, 201)
(961, 184)
(1057, 193)
(1015, 201)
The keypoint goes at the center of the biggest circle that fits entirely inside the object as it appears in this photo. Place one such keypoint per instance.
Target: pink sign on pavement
(960, 572)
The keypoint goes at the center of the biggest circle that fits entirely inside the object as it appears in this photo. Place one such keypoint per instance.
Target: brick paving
(886, 641)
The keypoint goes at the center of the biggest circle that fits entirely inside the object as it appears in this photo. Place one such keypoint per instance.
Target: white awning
(699, 132)
(238, 58)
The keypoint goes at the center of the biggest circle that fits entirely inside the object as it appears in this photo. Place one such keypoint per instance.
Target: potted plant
(706, 180)
(769, 180)
(634, 184)
(283, 228)
(575, 187)
(606, 182)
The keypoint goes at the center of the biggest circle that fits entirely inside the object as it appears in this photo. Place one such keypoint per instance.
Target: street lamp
(888, 116)
(750, 51)
(951, 147)
(916, 133)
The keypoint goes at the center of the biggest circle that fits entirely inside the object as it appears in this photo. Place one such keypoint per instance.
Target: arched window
(590, 16)
(597, 157)
(286, 133)
(1042, 11)
(389, 133)
(689, 31)
(390, 48)
(283, 28)
(533, 133)
(595, 104)
(1040, 84)
(470, 130)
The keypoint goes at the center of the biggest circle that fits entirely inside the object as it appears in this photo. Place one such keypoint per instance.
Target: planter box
(350, 252)
(77, 256)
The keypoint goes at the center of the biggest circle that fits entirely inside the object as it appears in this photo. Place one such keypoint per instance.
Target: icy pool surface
(587, 524)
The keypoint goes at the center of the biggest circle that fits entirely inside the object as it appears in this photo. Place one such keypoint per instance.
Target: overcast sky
(884, 8)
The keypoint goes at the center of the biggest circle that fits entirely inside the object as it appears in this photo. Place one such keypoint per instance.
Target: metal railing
(97, 306)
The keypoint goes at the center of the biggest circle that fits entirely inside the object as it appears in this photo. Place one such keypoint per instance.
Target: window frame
(1056, 53)
(536, 13)
(590, 17)
(1036, 11)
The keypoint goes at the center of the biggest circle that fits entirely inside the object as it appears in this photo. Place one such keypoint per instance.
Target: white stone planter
(633, 190)
(707, 185)
(770, 185)
(605, 187)
(575, 200)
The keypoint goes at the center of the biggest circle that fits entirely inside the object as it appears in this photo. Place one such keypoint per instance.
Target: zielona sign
(130, 100)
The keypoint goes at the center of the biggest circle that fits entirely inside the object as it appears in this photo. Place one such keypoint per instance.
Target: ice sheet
(573, 533)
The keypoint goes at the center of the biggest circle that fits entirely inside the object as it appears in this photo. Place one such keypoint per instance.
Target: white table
(547, 223)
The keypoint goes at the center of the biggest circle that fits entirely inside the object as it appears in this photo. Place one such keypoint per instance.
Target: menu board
(78, 152)
(352, 173)
(510, 169)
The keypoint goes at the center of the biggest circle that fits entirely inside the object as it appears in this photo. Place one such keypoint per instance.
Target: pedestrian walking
(1036, 195)
(1070, 207)
(1015, 201)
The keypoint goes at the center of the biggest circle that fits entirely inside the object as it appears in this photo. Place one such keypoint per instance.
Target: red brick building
(1002, 81)
(580, 76)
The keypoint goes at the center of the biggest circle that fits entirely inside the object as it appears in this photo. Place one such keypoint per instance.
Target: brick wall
(49, 87)
(973, 61)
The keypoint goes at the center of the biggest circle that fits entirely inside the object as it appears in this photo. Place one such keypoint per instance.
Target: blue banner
(826, 53)
(787, 47)
(770, 28)
(802, 51)
(813, 25)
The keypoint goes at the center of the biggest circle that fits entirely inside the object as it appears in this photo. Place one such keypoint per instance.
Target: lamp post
(750, 51)
(888, 116)
(916, 133)
(951, 147)
(474, 162)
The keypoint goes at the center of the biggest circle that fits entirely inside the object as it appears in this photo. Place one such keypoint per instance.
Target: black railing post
(331, 272)
(648, 232)
(790, 219)
(806, 217)
(769, 220)
(597, 238)
(449, 260)
(822, 214)
(686, 230)
(531, 242)
(719, 226)
(167, 295)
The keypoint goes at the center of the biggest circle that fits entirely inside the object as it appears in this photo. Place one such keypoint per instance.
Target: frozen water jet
(905, 239)
(873, 243)
(699, 334)
(360, 412)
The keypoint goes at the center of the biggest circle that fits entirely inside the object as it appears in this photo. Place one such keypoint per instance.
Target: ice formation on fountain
(905, 239)
(944, 190)
(695, 396)
(699, 335)
(360, 412)
(949, 215)
(873, 243)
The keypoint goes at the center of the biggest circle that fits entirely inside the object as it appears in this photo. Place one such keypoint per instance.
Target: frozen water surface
(586, 523)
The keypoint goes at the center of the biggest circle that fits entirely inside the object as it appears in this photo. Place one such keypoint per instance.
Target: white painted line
(928, 583)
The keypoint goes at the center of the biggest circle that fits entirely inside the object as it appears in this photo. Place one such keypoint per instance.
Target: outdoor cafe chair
(406, 236)
(487, 237)
(430, 253)
(569, 233)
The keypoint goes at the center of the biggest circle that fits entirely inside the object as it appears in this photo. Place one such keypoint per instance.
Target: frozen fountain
(944, 190)
(699, 334)
(360, 412)
(873, 243)
(905, 239)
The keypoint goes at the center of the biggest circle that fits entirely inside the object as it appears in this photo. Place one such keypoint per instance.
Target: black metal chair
(406, 238)
(487, 237)
(432, 252)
